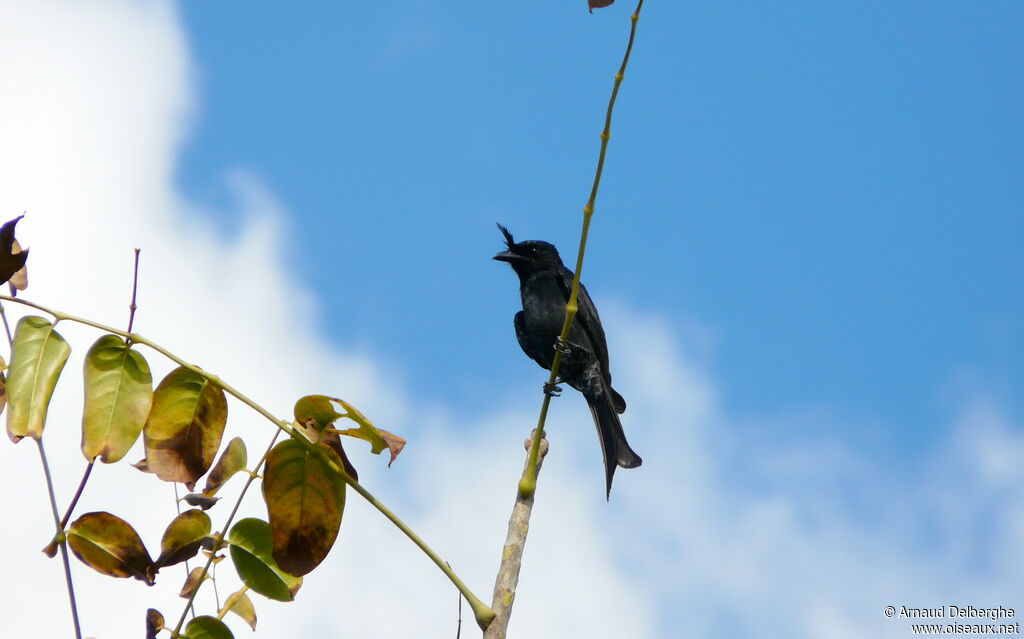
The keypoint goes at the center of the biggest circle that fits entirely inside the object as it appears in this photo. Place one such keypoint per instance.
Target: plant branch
(219, 540)
(482, 612)
(512, 555)
(518, 526)
(62, 539)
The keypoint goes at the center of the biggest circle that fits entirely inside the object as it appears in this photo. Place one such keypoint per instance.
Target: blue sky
(831, 190)
(806, 254)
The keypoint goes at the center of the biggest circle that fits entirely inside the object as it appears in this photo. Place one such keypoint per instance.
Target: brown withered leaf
(18, 281)
(191, 582)
(333, 441)
(394, 442)
(205, 502)
(10, 261)
(154, 623)
(598, 4)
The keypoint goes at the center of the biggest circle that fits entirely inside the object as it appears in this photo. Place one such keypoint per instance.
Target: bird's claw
(552, 390)
(562, 346)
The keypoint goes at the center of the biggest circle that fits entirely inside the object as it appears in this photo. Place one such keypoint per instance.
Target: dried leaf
(394, 442)
(109, 545)
(192, 582)
(332, 440)
(38, 356)
(3, 385)
(231, 461)
(118, 396)
(154, 623)
(202, 501)
(240, 604)
(252, 554)
(598, 4)
(10, 261)
(305, 499)
(185, 426)
(18, 281)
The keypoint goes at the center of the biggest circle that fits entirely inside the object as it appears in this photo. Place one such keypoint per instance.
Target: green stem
(528, 483)
(483, 614)
(62, 539)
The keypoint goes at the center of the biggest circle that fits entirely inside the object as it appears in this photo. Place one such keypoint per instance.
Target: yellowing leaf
(240, 604)
(154, 623)
(183, 537)
(118, 396)
(252, 553)
(232, 460)
(38, 356)
(192, 583)
(305, 499)
(185, 426)
(109, 545)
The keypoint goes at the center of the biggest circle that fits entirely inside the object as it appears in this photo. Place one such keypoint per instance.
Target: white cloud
(717, 535)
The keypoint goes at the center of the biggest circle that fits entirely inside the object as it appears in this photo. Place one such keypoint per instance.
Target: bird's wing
(588, 319)
(524, 342)
(590, 322)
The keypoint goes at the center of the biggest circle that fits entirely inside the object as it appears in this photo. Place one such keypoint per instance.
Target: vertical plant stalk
(508, 572)
(62, 540)
(512, 556)
(219, 539)
(528, 483)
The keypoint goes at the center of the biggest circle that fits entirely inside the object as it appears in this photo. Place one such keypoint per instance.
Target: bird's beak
(508, 256)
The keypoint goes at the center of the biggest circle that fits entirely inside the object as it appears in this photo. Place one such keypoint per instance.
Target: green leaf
(118, 396)
(183, 537)
(109, 545)
(37, 358)
(185, 426)
(315, 412)
(232, 460)
(154, 623)
(207, 627)
(240, 604)
(3, 385)
(305, 498)
(252, 554)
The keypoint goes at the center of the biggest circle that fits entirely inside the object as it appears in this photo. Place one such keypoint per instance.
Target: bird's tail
(614, 446)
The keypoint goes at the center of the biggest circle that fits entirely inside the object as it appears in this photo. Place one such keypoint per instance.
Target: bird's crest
(509, 241)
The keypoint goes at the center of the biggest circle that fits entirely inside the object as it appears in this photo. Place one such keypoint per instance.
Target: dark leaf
(185, 426)
(154, 623)
(10, 261)
(18, 281)
(202, 501)
(597, 4)
(252, 554)
(38, 356)
(109, 545)
(305, 499)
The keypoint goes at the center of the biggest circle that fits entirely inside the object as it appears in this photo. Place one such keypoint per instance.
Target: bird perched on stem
(544, 286)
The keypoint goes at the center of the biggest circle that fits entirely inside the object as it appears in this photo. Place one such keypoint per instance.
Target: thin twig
(219, 540)
(62, 539)
(78, 493)
(135, 291)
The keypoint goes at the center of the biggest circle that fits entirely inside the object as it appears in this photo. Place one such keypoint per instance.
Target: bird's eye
(533, 250)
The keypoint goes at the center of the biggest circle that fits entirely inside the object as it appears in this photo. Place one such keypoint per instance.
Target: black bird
(544, 286)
